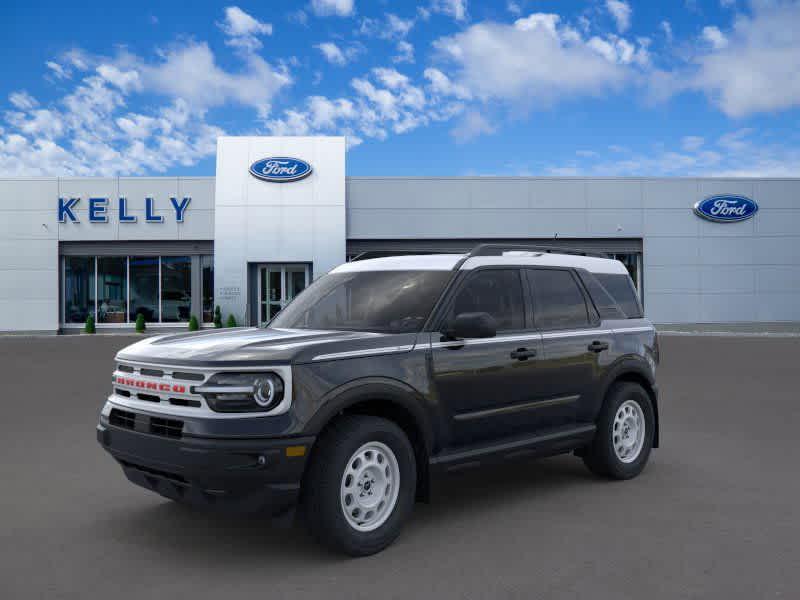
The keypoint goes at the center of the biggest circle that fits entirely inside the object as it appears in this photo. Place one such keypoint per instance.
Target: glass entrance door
(277, 286)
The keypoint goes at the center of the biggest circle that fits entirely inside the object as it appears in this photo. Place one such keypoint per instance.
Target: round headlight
(264, 391)
(267, 391)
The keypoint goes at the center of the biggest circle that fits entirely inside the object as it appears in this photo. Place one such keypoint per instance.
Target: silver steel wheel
(629, 431)
(370, 486)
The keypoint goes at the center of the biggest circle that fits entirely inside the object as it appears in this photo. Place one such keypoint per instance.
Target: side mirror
(472, 325)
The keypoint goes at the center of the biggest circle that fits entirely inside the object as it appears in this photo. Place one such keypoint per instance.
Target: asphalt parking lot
(715, 514)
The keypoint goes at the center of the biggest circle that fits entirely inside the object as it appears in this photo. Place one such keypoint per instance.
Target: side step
(553, 442)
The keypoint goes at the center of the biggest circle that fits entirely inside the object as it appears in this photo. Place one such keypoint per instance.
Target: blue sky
(438, 87)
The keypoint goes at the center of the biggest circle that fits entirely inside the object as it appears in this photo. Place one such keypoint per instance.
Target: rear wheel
(624, 437)
(361, 485)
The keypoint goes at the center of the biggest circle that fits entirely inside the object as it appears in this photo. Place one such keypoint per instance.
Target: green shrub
(140, 326)
(193, 326)
(231, 321)
(217, 317)
(89, 327)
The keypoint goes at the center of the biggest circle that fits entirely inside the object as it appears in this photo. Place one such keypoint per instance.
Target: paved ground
(715, 514)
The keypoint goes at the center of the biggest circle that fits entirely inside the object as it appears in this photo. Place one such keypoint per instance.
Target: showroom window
(112, 289)
(207, 273)
(116, 289)
(79, 288)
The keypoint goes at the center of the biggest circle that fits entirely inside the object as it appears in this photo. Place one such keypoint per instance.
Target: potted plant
(231, 321)
(89, 327)
(193, 326)
(217, 317)
(140, 326)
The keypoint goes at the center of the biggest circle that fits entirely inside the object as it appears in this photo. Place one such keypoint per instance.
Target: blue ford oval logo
(726, 208)
(280, 169)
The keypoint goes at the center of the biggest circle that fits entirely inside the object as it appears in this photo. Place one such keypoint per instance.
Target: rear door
(573, 343)
(485, 386)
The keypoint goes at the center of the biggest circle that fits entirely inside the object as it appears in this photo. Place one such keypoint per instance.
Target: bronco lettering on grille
(150, 385)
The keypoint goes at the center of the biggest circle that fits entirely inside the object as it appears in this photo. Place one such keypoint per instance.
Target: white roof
(421, 262)
(446, 262)
(593, 264)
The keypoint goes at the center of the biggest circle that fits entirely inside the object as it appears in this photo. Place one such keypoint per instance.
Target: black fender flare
(637, 369)
(386, 389)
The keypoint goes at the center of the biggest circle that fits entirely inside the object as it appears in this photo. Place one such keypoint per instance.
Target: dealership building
(280, 212)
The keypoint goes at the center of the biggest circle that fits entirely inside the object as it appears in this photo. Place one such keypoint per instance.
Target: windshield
(379, 301)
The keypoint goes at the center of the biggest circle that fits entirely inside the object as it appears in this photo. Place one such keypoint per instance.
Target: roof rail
(500, 249)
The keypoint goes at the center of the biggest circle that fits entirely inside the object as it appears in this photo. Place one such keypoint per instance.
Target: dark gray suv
(384, 372)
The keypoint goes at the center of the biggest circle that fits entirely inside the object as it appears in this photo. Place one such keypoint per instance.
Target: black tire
(321, 486)
(600, 455)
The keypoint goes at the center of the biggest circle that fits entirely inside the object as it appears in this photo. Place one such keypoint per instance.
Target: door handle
(598, 346)
(523, 354)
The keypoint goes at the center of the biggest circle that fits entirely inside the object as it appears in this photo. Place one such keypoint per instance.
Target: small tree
(217, 317)
(89, 327)
(193, 326)
(140, 326)
(231, 321)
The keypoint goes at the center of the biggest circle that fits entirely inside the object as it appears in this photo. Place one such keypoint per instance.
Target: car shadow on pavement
(184, 533)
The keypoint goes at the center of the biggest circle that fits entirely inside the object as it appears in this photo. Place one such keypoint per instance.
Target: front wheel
(624, 435)
(361, 485)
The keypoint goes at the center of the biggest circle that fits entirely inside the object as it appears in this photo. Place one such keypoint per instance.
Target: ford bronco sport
(382, 373)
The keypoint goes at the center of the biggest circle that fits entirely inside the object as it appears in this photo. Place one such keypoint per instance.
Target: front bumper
(230, 475)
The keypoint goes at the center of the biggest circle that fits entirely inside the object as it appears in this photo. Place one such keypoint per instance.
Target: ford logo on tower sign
(280, 169)
(725, 208)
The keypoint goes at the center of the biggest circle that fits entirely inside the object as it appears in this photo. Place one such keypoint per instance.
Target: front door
(277, 286)
(488, 387)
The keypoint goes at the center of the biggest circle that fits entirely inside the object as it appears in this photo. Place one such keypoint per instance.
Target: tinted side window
(620, 287)
(497, 292)
(558, 302)
(605, 304)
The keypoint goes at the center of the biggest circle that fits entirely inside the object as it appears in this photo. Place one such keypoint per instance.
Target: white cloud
(758, 70)
(336, 55)
(441, 84)
(621, 11)
(692, 143)
(727, 3)
(22, 100)
(90, 130)
(243, 29)
(537, 60)
(715, 37)
(453, 8)
(59, 71)
(514, 8)
(405, 53)
(385, 101)
(666, 27)
(398, 27)
(735, 154)
(339, 8)
(472, 124)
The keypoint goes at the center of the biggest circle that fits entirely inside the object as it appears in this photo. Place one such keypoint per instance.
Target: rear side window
(558, 302)
(606, 306)
(497, 292)
(620, 287)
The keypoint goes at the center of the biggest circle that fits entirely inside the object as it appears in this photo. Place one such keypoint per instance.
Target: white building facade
(281, 212)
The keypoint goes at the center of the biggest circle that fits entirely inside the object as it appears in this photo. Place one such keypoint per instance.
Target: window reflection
(78, 288)
(176, 288)
(144, 288)
(111, 289)
(207, 268)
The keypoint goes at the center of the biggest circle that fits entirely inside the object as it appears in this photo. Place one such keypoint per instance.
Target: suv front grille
(166, 427)
(171, 428)
(122, 418)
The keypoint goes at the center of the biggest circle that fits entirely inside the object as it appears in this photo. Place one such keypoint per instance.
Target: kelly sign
(98, 210)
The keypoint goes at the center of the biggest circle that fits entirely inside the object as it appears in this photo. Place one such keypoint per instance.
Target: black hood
(252, 345)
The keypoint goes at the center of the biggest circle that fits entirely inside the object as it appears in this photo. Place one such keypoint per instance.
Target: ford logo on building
(725, 208)
(280, 169)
